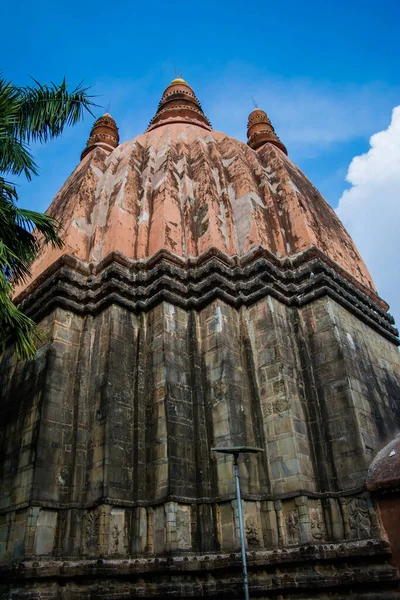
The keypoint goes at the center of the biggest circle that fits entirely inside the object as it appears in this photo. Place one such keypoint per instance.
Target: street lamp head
(237, 449)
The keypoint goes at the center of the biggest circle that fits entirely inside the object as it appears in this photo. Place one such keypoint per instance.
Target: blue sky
(327, 73)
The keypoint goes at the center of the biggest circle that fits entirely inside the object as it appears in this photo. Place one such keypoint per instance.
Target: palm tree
(27, 114)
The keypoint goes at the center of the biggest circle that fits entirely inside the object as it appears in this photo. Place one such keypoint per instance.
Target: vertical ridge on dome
(260, 131)
(104, 134)
(179, 104)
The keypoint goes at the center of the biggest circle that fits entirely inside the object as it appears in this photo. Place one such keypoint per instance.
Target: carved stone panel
(252, 537)
(358, 518)
(291, 522)
(92, 530)
(116, 541)
(317, 526)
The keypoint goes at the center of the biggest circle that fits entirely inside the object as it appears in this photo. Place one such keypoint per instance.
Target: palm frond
(47, 226)
(10, 97)
(15, 325)
(23, 233)
(17, 246)
(15, 157)
(45, 110)
(33, 113)
(7, 191)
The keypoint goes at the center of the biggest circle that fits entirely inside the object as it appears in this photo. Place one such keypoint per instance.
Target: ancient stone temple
(206, 295)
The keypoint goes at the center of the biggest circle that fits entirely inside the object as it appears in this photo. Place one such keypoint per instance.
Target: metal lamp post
(235, 451)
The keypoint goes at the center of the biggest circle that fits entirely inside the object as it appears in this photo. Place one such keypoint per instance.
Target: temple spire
(179, 104)
(260, 131)
(104, 134)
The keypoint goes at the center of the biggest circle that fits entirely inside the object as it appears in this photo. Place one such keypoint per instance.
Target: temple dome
(186, 188)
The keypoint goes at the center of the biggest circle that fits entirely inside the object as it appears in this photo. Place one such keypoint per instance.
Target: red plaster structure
(185, 188)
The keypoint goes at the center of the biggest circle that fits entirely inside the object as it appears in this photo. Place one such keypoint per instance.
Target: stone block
(183, 527)
(159, 529)
(286, 446)
(226, 525)
(283, 424)
(116, 534)
(18, 549)
(19, 529)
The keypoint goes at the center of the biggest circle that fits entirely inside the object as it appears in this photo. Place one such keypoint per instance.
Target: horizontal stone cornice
(139, 285)
(192, 500)
(211, 564)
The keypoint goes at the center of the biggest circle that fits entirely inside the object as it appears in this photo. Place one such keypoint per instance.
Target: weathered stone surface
(130, 405)
(323, 568)
(140, 285)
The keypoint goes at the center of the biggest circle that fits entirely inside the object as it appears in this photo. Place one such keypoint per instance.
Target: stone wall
(106, 437)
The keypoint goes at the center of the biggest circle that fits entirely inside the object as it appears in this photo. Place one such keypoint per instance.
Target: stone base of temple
(358, 569)
(109, 487)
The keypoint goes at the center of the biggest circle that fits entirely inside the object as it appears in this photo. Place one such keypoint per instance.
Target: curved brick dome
(186, 189)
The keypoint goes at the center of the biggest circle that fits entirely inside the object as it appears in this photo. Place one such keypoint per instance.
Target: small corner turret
(104, 135)
(260, 131)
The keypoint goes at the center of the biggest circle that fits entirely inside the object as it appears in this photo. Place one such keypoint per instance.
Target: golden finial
(178, 77)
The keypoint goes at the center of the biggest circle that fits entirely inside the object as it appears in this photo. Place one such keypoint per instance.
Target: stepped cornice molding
(138, 285)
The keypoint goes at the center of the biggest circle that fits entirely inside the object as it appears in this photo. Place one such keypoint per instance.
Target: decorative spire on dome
(179, 105)
(104, 134)
(260, 131)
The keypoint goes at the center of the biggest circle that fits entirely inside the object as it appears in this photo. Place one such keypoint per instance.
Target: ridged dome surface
(185, 189)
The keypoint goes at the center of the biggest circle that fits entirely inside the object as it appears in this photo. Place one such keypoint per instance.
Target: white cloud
(370, 210)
